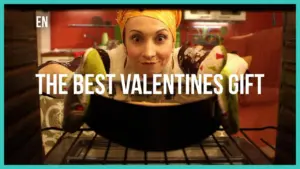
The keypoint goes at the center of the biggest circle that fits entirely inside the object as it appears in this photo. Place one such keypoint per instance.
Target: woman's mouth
(148, 63)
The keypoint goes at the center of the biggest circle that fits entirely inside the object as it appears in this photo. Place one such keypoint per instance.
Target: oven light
(208, 26)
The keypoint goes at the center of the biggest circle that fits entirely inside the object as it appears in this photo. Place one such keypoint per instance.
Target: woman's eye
(136, 38)
(161, 38)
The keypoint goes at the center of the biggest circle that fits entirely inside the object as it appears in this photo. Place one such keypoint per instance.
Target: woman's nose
(149, 50)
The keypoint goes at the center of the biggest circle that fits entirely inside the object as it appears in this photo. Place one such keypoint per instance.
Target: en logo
(42, 21)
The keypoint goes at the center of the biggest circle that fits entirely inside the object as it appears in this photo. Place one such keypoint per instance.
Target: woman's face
(149, 44)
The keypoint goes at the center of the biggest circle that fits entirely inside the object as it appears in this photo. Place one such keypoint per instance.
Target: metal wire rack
(214, 150)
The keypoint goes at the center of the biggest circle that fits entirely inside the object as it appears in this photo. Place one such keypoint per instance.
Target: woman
(149, 38)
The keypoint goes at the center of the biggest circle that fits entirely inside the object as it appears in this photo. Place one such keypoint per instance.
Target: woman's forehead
(144, 23)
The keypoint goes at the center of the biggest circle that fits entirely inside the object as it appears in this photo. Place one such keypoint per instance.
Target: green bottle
(117, 33)
(177, 44)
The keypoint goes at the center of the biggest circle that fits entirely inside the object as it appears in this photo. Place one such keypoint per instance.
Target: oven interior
(23, 130)
(219, 148)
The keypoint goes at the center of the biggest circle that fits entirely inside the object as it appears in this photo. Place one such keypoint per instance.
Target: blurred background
(247, 33)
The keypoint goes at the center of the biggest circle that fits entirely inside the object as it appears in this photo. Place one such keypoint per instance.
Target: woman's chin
(150, 74)
(150, 69)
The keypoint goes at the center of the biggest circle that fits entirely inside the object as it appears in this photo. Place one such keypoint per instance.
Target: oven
(23, 130)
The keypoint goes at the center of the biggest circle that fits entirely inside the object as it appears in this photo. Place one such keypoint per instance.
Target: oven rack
(250, 153)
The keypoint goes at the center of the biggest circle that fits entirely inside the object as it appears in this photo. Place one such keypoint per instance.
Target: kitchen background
(67, 28)
(257, 34)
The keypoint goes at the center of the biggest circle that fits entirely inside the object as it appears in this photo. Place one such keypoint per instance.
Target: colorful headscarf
(171, 18)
